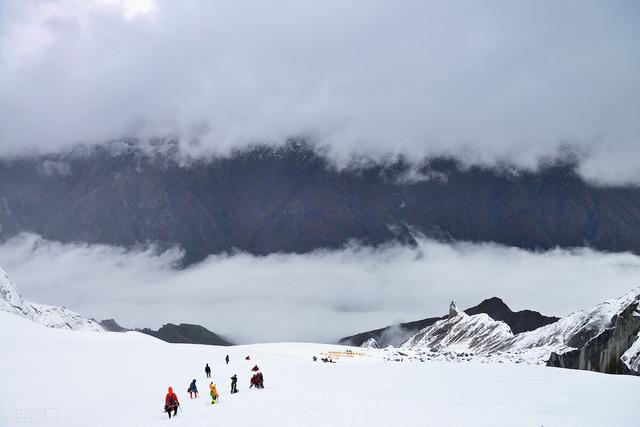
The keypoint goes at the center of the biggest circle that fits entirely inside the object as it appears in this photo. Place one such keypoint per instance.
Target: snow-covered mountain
(462, 333)
(51, 316)
(370, 343)
(576, 329)
(601, 338)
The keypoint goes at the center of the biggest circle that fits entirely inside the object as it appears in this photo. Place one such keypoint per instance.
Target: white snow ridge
(463, 338)
(370, 343)
(51, 316)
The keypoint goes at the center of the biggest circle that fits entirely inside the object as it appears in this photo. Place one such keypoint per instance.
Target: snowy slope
(462, 333)
(370, 343)
(86, 379)
(51, 316)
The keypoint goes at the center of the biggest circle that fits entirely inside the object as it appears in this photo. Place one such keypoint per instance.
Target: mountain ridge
(292, 199)
(603, 338)
(521, 321)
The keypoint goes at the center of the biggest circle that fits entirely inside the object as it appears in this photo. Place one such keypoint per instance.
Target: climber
(260, 380)
(193, 390)
(234, 384)
(254, 381)
(171, 403)
(207, 370)
(213, 393)
(226, 359)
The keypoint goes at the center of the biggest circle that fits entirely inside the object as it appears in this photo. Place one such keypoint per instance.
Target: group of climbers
(257, 380)
(172, 404)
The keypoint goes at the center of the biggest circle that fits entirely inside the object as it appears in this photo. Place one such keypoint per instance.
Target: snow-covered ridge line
(50, 316)
(581, 340)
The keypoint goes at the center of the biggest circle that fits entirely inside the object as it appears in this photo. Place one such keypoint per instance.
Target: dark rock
(290, 199)
(186, 334)
(603, 352)
(111, 325)
(568, 359)
(518, 321)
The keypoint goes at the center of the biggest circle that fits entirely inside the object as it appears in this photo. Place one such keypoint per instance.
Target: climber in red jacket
(171, 403)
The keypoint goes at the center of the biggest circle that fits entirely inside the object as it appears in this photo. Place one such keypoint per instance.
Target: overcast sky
(316, 297)
(486, 81)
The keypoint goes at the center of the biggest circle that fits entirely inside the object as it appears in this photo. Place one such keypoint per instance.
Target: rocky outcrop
(111, 325)
(183, 333)
(631, 358)
(518, 321)
(604, 352)
(186, 334)
(453, 309)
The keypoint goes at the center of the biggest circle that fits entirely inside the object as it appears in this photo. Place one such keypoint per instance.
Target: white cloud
(316, 297)
(131, 8)
(486, 82)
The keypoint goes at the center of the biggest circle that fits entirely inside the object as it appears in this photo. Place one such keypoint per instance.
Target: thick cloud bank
(508, 80)
(317, 297)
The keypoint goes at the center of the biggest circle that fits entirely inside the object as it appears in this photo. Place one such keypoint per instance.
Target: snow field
(113, 379)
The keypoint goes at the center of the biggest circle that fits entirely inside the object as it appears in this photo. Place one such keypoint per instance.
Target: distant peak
(495, 302)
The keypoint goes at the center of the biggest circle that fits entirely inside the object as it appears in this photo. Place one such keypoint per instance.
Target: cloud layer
(512, 80)
(316, 297)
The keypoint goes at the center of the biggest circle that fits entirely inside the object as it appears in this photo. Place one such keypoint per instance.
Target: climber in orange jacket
(171, 403)
(213, 393)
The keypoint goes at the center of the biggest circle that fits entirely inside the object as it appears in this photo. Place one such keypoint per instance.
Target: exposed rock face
(631, 358)
(112, 326)
(604, 352)
(520, 321)
(290, 199)
(186, 334)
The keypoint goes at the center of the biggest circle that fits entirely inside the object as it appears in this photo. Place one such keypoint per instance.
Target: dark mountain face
(186, 334)
(290, 199)
(110, 325)
(183, 333)
(520, 321)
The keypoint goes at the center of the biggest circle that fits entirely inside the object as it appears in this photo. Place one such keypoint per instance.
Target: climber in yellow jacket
(213, 393)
